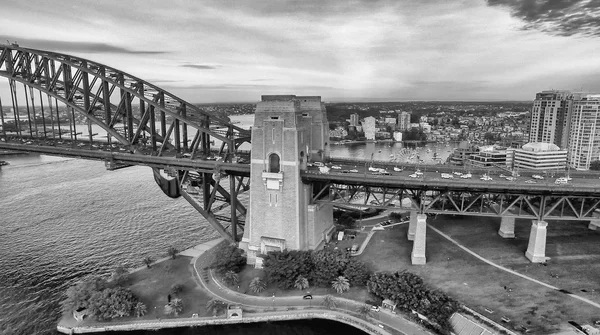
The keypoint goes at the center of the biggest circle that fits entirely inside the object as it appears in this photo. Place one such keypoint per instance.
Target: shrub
(172, 251)
(230, 259)
(283, 267)
(328, 265)
(357, 272)
(410, 293)
(112, 303)
(148, 261)
(176, 289)
(78, 295)
(120, 275)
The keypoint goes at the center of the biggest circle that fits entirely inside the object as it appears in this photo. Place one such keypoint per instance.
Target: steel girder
(139, 118)
(88, 88)
(475, 203)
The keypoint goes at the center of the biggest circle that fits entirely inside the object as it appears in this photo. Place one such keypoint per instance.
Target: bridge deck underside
(464, 202)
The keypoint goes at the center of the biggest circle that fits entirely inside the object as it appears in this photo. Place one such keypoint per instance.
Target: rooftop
(540, 146)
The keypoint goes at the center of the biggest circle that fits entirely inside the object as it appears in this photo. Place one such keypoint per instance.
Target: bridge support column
(536, 250)
(417, 257)
(412, 226)
(507, 227)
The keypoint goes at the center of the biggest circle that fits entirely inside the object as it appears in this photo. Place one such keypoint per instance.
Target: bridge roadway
(114, 154)
(587, 184)
(582, 184)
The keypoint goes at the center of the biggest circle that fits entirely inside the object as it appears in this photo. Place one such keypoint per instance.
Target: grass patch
(480, 286)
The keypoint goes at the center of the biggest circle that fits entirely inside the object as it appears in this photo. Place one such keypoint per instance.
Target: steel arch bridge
(143, 124)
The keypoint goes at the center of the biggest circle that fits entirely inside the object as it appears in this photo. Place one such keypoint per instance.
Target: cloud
(557, 17)
(83, 47)
(201, 66)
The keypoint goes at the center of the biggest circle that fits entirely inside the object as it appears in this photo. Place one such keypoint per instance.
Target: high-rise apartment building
(584, 135)
(569, 120)
(354, 120)
(550, 118)
(404, 121)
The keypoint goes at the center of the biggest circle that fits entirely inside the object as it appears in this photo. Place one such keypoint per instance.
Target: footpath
(383, 320)
(258, 309)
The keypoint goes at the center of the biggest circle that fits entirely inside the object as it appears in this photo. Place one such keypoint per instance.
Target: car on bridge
(530, 181)
(561, 181)
(537, 176)
(336, 167)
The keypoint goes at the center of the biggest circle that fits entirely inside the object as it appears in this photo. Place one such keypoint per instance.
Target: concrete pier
(412, 226)
(536, 250)
(417, 256)
(507, 227)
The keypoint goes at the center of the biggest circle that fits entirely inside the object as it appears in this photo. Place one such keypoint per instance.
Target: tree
(364, 310)
(215, 305)
(301, 283)
(112, 303)
(329, 301)
(595, 165)
(230, 259)
(283, 267)
(176, 289)
(328, 265)
(177, 305)
(346, 220)
(231, 278)
(410, 293)
(257, 285)
(357, 273)
(148, 261)
(340, 284)
(120, 275)
(172, 251)
(139, 309)
(78, 295)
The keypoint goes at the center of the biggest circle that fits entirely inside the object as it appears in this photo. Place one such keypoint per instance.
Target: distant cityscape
(561, 127)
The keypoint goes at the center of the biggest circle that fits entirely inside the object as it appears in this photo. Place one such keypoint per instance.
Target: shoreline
(253, 313)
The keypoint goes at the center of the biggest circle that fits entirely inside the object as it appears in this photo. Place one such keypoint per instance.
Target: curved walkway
(509, 270)
(385, 320)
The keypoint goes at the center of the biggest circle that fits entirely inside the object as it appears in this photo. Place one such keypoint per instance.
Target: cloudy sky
(346, 50)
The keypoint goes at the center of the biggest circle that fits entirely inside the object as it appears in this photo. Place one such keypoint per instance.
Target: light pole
(273, 300)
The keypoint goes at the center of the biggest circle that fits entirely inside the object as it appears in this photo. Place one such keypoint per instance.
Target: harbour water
(61, 219)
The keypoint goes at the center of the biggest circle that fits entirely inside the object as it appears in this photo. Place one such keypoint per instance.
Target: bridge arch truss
(105, 109)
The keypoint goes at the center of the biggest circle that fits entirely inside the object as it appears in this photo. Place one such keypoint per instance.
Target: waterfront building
(398, 136)
(369, 127)
(537, 156)
(354, 119)
(404, 121)
(462, 153)
(584, 135)
(488, 156)
(550, 116)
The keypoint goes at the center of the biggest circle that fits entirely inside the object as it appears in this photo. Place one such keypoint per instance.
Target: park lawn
(477, 284)
(153, 285)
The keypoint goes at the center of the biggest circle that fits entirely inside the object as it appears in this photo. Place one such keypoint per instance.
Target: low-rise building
(539, 156)
(489, 156)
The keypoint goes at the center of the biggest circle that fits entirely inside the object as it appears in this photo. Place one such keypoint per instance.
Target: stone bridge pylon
(288, 132)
